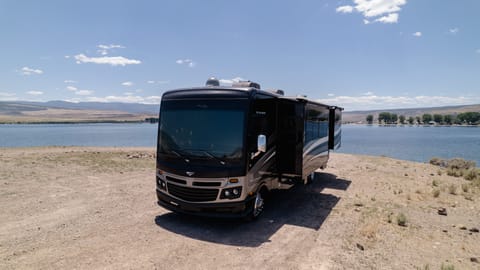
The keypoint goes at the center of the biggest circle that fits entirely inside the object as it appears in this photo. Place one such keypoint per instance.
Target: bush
(436, 193)
(437, 162)
(402, 220)
(452, 189)
(447, 267)
(458, 167)
(472, 174)
(460, 163)
(465, 188)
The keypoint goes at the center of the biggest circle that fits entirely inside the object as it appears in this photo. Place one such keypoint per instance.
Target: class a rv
(222, 149)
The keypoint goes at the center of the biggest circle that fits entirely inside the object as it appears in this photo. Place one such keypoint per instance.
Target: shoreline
(77, 122)
(406, 125)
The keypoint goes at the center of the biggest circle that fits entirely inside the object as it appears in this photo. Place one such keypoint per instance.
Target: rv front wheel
(258, 205)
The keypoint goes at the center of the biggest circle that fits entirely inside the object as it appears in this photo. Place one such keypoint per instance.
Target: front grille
(192, 194)
(179, 181)
(207, 184)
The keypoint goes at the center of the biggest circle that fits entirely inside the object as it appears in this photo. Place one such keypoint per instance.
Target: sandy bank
(78, 207)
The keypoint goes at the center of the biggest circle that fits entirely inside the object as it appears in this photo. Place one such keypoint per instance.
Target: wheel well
(263, 190)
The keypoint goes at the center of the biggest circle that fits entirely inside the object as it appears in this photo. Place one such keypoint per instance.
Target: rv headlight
(231, 193)
(161, 183)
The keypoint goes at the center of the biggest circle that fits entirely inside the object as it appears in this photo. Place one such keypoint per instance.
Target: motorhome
(222, 149)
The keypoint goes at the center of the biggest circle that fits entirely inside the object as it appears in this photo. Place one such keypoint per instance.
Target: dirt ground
(90, 208)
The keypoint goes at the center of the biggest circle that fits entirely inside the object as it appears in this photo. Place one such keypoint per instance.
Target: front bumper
(223, 210)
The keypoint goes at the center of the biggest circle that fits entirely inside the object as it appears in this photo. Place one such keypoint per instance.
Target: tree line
(466, 118)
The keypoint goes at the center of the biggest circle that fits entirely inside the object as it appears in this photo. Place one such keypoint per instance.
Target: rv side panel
(315, 150)
(335, 130)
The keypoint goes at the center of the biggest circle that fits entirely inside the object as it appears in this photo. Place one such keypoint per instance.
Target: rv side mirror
(262, 143)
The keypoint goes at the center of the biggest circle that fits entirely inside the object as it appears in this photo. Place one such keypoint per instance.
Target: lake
(416, 143)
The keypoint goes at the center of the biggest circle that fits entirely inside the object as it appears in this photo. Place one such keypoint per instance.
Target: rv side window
(316, 124)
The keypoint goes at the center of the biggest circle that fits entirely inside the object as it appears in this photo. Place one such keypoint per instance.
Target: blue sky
(360, 54)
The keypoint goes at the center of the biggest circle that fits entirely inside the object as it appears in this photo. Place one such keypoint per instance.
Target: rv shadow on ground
(304, 206)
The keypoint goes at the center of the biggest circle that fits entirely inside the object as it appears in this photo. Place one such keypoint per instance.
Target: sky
(359, 54)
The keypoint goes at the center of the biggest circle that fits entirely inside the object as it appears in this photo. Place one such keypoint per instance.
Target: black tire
(257, 205)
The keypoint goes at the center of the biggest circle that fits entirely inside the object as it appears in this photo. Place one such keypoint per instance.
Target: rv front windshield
(205, 129)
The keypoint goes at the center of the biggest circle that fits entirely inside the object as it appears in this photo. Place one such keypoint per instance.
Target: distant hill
(135, 108)
(68, 112)
(20, 111)
(360, 116)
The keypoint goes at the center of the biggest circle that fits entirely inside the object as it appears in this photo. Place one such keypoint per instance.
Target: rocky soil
(90, 208)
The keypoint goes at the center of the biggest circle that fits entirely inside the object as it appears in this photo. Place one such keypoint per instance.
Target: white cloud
(330, 95)
(124, 99)
(30, 71)
(374, 102)
(373, 8)
(453, 31)
(158, 82)
(127, 84)
(383, 11)
(67, 56)
(105, 49)
(5, 94)
(35, 93)
(189, 62)
(71, 88)
(344, 9)
(128, 94)
(230, 81)
(84, 92)
(417, 34)
(70, 81)
(110, 60)
(390, 18)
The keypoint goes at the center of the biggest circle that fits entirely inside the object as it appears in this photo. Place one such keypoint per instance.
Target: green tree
(448, 119)
(370, 119)
(469, 117)
(411, 120)
(384, 117)
(401, 118)
(426, 118)
(393, 118)
(419, 120)
(438, 118)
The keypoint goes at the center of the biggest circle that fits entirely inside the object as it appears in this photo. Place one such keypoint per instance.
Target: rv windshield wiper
(180, 156)
(214, 157)
(208, 154)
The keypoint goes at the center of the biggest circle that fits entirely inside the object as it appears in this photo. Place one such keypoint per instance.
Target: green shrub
(457, 167)
(472, 174)
(436, 193)
(435, 183)
(437, 161)
(452, 189)
(447, 267)
(402, 220)
(465, 188)
(460, 163)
